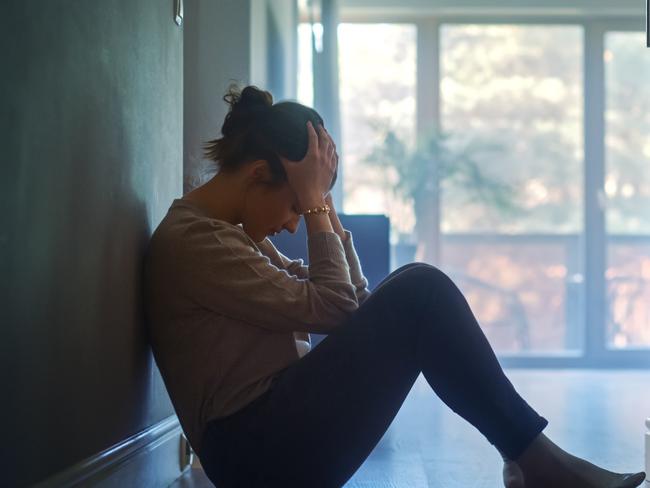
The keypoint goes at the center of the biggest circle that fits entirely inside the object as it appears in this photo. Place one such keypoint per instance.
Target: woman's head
(255, 133)
(257, 129)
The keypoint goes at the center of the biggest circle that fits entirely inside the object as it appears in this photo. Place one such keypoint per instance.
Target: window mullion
(594, 154)
(428, 103)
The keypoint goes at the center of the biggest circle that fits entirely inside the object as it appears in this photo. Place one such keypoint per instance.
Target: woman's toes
(631, 480)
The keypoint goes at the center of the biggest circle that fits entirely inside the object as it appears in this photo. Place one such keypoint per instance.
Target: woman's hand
(311, 177)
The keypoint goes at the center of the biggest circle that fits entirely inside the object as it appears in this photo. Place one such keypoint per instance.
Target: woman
(228, 314)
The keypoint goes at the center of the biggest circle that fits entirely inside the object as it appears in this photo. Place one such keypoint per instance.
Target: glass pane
(512, 180)
(305, 72)
(377, 91)
(377, 82)
(627, 188)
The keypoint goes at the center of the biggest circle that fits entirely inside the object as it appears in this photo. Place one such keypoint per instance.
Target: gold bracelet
(324, 209)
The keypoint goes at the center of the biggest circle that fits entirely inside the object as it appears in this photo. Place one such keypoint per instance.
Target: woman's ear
(259, 171)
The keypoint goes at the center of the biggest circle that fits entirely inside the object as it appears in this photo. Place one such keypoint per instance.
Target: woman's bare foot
(512, 475)
(545, 464)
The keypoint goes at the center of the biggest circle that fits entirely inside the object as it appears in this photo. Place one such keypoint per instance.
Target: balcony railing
(528, 293)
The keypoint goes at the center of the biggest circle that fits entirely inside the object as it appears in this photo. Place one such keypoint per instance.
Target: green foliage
(443, 161)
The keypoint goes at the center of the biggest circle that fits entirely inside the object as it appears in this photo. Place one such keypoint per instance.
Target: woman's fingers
(326, 146)
(325, 141)
(313, 139)
(330, 137)
(322, 134)
(331, 150)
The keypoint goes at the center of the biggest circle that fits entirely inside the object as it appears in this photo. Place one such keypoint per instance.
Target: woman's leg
(451, 311)
(396, 272)
(327, 411)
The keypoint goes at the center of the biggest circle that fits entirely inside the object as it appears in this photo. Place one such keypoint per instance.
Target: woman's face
(270, 210)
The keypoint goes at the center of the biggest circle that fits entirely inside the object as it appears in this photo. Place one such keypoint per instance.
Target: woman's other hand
(334, 218)
(328, 200)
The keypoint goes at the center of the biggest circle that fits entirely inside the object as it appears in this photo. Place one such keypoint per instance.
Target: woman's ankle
(540, 455)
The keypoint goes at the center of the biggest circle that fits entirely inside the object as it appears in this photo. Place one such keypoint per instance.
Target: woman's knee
(423, 271)
(418, 279)
(401, 269)
(412, 265)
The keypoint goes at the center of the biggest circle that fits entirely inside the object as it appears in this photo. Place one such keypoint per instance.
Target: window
(553, 278)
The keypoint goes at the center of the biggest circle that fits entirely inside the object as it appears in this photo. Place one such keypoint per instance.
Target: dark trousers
(327, 411)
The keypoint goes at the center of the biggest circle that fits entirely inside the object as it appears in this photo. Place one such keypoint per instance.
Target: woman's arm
(334, 219)
(359, 281)
(356, 274)
(224, 271)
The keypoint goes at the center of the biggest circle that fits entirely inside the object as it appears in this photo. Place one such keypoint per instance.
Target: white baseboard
(149, 458)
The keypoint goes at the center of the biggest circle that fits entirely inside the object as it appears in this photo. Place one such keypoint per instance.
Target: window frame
(594, 353)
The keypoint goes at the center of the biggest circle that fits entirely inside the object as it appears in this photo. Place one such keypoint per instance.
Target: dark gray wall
(92, 157)
(242, 41)
(217, 51)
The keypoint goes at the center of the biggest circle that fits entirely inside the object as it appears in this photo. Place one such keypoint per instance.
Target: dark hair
(256, 128)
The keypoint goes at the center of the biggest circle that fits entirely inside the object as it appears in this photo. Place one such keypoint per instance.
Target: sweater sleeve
(356, 274)
(297, 267)
(228, 274)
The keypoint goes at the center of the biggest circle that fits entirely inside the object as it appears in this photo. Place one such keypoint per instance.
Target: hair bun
(250, 97)
(246, 105)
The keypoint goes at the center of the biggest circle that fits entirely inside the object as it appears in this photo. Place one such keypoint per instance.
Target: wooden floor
(597, 415)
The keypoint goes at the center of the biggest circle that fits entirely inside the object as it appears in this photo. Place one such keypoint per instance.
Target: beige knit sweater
(226, 314)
